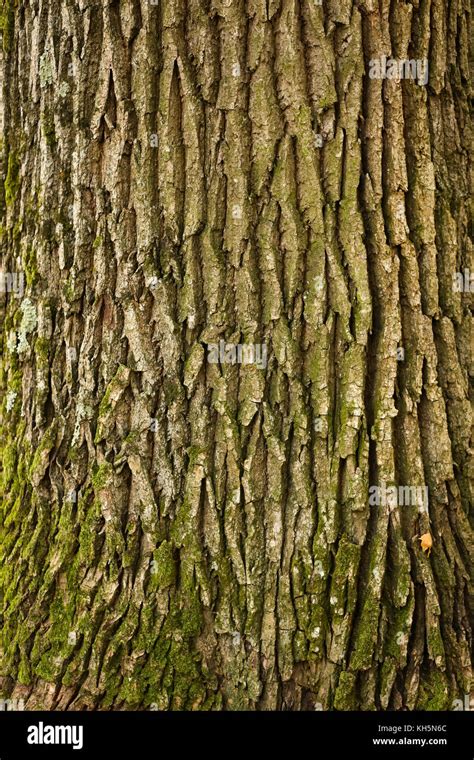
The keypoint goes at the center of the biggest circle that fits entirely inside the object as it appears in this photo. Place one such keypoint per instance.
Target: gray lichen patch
(27, 325)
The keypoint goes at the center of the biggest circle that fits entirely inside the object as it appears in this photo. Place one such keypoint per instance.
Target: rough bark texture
(197, 170)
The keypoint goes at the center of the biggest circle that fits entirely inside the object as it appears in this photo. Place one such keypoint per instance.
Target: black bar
(176, 734)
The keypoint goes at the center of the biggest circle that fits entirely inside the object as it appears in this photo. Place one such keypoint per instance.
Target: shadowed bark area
(183, 534)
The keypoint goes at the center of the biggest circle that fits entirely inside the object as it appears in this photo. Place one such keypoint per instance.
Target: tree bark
(183, 534)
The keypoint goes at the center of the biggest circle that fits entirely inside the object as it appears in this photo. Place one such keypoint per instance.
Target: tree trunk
(181, 531)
